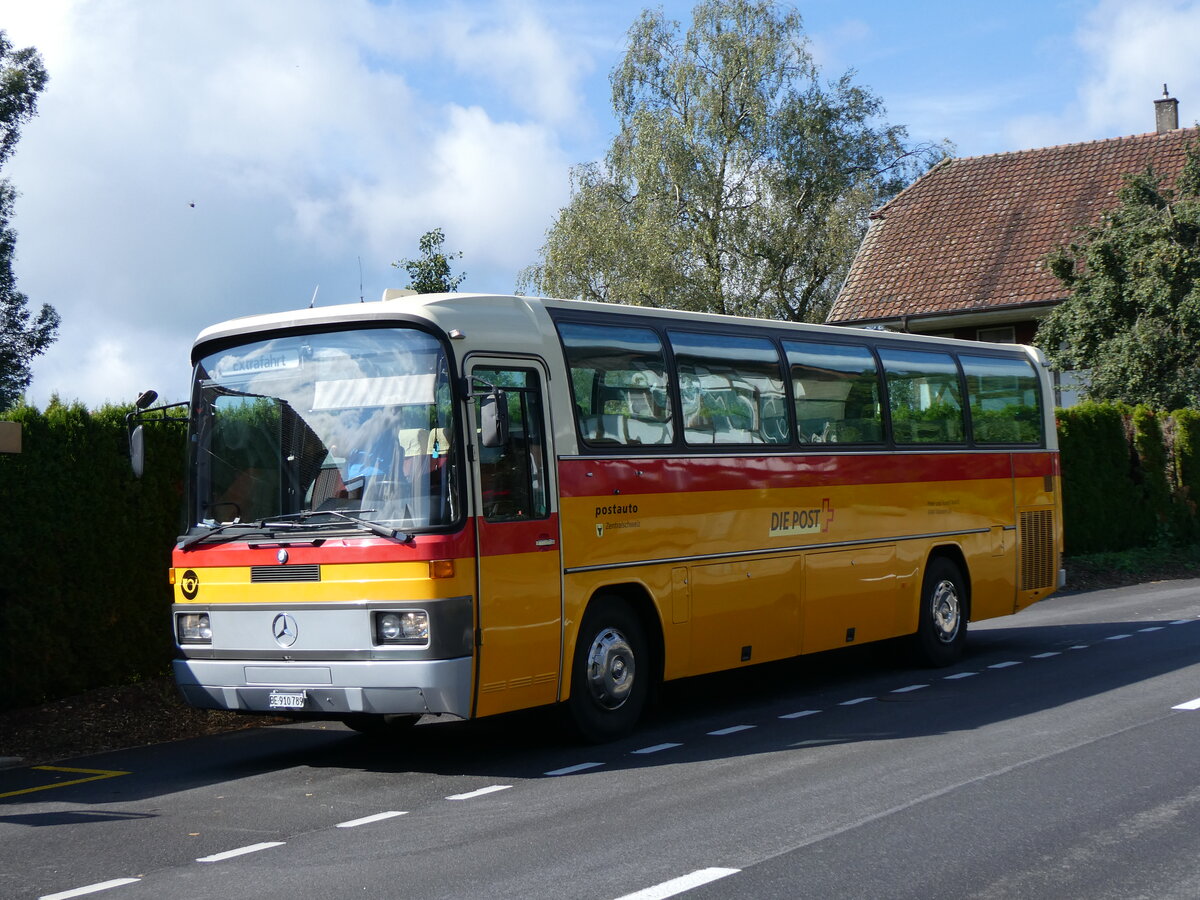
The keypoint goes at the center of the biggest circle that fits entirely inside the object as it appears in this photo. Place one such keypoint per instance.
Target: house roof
(972, 234)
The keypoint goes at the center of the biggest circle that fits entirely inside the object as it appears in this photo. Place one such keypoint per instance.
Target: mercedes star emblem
(285, 630)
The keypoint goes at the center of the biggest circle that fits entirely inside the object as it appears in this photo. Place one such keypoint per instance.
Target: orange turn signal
(441, 568)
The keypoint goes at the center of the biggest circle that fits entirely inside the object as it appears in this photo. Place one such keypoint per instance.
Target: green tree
(431, 273)
(22, 336)
(738, 182)
(1132, 318)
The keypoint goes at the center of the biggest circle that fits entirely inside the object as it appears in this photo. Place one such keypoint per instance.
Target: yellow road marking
(93, 775)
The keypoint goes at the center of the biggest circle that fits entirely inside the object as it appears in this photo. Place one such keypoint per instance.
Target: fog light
(193, 628)
(402, 627)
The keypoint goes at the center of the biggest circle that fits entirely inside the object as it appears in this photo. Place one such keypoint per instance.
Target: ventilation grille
(281, 574)
(1037, 549)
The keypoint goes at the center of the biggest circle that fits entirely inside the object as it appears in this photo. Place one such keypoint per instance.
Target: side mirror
(137, 451)
(493, 419)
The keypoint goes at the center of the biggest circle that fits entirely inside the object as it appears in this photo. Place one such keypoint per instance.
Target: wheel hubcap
(610, 669)
(947, 615)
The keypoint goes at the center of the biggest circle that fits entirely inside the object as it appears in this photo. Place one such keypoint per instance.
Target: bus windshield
(354, 422)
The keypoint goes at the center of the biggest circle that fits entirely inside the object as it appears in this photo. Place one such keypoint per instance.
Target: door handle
(545, 542)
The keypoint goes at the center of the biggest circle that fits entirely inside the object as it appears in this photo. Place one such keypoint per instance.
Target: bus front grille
(282, 574)
(1037, 549)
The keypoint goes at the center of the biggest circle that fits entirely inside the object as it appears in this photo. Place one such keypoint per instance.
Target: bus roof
(497, 315)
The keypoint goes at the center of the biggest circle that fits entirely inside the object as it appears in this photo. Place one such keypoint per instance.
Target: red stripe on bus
(518, 536)
(1034, 465)
(597, 477)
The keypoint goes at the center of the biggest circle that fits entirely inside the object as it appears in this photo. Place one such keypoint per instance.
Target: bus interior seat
(606, 429)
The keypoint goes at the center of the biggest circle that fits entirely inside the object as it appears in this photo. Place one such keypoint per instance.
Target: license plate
(287, 700)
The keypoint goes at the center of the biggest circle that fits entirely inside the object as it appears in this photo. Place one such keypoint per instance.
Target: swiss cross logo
(826, 515)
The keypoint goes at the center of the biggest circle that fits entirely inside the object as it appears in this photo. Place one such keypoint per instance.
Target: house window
(1005, 334)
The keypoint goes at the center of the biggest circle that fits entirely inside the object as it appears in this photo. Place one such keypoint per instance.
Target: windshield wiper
(216, 529)
(373, 527)
(275, 523)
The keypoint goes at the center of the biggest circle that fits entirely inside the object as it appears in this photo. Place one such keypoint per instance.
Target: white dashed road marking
(801, 714)
(909, 689)
(471, 795)
(1191, 704)
(90, 889)
(732, 729)
(367, 820)
(571, 770)
(679, 885)
(657, 748)
(240, 851)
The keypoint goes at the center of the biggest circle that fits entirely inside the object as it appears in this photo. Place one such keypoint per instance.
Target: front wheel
(610, 674)
(942, 627)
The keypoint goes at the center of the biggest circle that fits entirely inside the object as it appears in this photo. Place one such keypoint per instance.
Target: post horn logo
(189, 584)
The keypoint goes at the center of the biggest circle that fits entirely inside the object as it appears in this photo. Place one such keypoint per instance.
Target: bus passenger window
(512, 477)
(836, 390)
(618, 376)
(731, 389)
(1005, 400)
(924, 397)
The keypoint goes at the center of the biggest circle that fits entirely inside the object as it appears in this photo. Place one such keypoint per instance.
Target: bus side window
(836, 391)
(731, 389)
(619, 382)
(924, 397)
(513, 476)
(1005, 400)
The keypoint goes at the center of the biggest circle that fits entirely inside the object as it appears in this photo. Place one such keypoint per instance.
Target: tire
(942, 626)
(376, 725)
(610, 673)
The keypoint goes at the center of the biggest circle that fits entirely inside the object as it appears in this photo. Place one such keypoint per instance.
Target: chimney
(1166, 113)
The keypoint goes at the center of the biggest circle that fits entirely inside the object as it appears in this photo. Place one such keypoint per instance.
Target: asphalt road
(1061, 758)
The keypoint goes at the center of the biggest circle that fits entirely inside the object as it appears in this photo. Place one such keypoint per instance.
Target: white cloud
(1128, 50)
(518, 52)
(193, 161)
(1134, 48)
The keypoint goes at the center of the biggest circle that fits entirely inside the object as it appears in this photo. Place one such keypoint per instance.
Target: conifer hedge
(84, 553)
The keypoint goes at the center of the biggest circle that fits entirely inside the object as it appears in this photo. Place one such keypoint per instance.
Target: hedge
(84, 553)
(1130, 477)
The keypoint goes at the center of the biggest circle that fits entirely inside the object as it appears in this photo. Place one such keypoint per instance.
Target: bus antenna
(313, 301)
(360, 289)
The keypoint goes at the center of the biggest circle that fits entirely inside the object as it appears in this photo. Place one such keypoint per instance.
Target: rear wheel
(610, 674)
(379, 725)
(942, 629)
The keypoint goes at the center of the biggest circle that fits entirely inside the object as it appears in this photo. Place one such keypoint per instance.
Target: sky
(197, 160)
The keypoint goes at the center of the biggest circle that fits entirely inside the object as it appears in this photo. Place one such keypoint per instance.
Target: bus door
(520, 571)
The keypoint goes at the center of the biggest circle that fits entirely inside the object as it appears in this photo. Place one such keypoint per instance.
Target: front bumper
(391, 687)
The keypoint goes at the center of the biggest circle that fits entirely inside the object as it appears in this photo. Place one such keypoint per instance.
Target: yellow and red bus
(467, 504)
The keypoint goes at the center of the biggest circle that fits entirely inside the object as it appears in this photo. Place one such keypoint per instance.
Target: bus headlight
(407, 627)
(193, 628)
